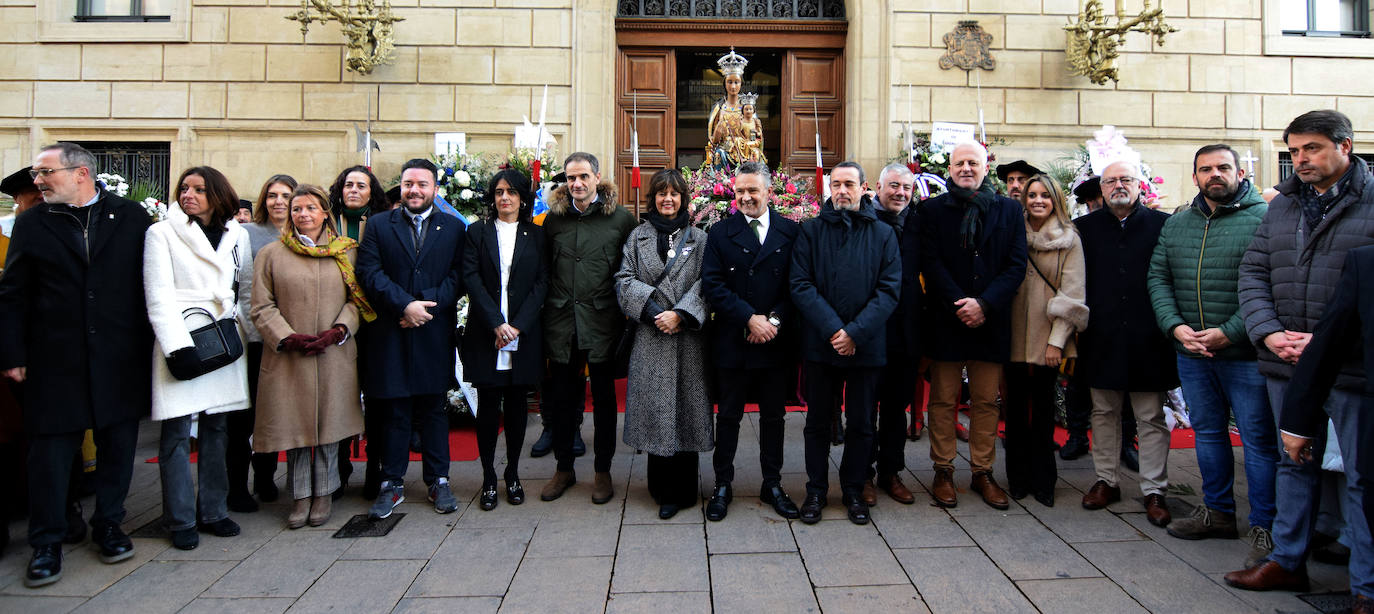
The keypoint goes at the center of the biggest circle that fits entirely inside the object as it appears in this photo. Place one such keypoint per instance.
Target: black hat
(560, 178)
(1090, 188)
(1019, 165)
(245, 204)
(18, 182)
(394, 194)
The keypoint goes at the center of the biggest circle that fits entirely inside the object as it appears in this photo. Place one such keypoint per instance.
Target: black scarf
(1315, 206)
(975, 204)
(666, 226)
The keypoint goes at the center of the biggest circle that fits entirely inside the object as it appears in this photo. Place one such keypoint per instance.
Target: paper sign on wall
(450, 143)
(945, 135)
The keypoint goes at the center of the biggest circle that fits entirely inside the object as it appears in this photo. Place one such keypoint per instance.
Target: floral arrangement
(115, 184)
(463, 178)
(931, 165)
(1107, 146)
(144, 193)
(156, 209)
(711, 196)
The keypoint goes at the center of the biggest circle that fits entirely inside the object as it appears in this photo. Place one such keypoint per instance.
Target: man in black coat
(897, 384)
(846, 278)
(74, 330)
(744, 276)
(410, 267)
(974, 260)
(1346, 329)
(1130, 357)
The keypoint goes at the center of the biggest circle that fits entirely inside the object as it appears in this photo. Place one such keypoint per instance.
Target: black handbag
(216, 344)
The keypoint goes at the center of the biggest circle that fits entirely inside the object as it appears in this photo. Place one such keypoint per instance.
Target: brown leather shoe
(320, 510)
(1362, 605)
(300, 510)
(602, 491)
(560, 482)
(869, 494)
(893, 486)
(1101, 495)
(1157, 510)
(942, 491)
(993, 495)
(1268, 576)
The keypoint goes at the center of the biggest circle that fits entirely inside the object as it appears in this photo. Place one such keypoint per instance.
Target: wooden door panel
(646, 83)
(813, 85)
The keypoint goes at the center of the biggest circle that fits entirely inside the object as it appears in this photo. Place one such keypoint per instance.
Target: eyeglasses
(35, 172)
(1111, 181)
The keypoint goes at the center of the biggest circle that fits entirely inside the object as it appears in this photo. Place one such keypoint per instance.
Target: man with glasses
(74, 331)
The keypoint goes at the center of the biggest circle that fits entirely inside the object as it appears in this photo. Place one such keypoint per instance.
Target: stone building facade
(233, 84)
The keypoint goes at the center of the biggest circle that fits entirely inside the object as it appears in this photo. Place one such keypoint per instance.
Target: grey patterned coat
(666, 406)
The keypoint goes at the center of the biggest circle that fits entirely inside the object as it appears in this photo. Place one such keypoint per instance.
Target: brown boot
(1268, 576)
(560, 482)
(1101, 495)
(320, 510)
(993, 495)
(942, 491)
(869, 494)
(602, 491)
(894, 488)
(300, 508)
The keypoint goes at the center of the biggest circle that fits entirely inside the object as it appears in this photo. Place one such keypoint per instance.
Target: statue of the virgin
(731, 137)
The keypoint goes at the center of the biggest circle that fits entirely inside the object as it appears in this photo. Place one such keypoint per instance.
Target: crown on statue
(750, 98)
(732, 63)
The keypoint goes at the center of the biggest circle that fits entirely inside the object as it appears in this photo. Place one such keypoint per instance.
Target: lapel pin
(438, 227)
(111, 216)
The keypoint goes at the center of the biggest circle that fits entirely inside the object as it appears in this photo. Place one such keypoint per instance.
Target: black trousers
(673, 479)
(1030, 427)
(492, 403)
(824, 383)
(426, 414)
(50, 469)
(567, 399)
(896, 392)
(770, 388)
(238, 452)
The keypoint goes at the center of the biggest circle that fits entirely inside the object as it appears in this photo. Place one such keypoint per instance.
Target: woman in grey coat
(667, 412)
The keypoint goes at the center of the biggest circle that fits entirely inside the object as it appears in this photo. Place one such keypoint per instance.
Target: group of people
(347, 303)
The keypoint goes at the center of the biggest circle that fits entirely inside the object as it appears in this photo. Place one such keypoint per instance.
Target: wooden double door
(646, 84)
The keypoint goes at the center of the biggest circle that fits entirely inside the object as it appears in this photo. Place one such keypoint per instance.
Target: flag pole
(820, 173)
(634, 146)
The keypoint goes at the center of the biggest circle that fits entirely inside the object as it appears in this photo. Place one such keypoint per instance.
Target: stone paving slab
(573, 527)
(83, 575)
(841, 553)
(33, 603)
(1205, 555)
(284, 567)
(416, 536)
(473, 562)
(961, 580)
(1267, 601)
(359, 586)
(574, 585)
(238, 605)
(870, 599)
(750, 526)
(919, 525)
(1079, 596)
(1158, 580)
(256, 530)
(774, 582)
(448, 605)
(1073, 524)
(1024, 549)
(665, 558)
(159, 586)
(676, 603)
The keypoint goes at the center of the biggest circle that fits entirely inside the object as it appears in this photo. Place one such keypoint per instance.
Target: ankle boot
(300, 509)
(320, 509)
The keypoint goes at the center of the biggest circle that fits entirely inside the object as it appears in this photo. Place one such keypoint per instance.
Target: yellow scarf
(337, 248)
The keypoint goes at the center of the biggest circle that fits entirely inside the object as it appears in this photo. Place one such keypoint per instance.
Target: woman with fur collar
(197, 257)
(1046, 313)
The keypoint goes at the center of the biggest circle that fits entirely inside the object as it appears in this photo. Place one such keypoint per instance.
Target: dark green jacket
(1193, 271)
(584, 251)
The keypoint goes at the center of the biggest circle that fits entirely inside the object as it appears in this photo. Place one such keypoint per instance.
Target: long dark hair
(219, 194)
(664, 179)
(518, 182)
(376, 201)
(260, 207)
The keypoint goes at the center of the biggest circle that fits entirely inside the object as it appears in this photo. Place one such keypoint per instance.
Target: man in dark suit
(410, 267)
(74, 330)
(1345, 330)
(744, 277)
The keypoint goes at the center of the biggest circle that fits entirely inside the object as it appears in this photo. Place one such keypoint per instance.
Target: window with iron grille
(732, 9)
(139, 163)
(1286, 164)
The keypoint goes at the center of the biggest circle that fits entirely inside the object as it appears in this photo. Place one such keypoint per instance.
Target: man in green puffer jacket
(1193, 287)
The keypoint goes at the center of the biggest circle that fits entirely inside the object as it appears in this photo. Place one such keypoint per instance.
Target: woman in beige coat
(1045, 314)
(308, 397)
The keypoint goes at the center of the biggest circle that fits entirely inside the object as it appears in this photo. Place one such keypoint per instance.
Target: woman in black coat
(502, 351)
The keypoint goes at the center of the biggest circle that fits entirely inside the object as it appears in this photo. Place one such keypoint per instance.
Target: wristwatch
(774, 320)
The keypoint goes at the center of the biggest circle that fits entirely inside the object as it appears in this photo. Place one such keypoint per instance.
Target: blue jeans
(1215, 389)
(1299, 489)
(179, 494)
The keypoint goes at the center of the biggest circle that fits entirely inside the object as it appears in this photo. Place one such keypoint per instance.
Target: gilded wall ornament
(1092, 41)
(968, 47)
(368, 28)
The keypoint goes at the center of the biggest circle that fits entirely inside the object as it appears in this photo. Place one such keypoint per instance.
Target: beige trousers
(1151, 431)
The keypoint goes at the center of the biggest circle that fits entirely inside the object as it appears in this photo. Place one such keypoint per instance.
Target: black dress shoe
(515, 493)
(224, 527)
(1130, 458)
(266, 488)
(45, 567)
(487, 501)
(1016, 492)
(185, 539)
(579, 447)
(1076, 446)
(76, 524)
(667, 510)
(811, 507)
(719, 503)
(856, 508)
(1045, 498)
(782, 504)
(543, 445)
(114, 545)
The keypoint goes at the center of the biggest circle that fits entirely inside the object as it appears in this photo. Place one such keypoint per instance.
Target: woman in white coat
(197, 257)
